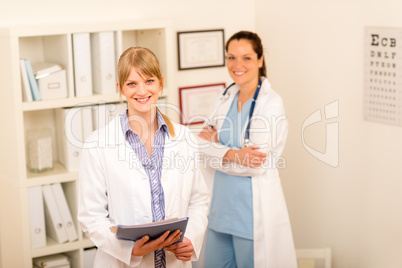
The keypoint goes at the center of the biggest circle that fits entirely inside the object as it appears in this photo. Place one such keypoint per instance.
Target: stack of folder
(74, 126)
(94, 63)
(50, 215)
(52, 261)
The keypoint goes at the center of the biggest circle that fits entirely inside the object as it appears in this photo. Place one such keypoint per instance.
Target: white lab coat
(273, 241)
(114, 189)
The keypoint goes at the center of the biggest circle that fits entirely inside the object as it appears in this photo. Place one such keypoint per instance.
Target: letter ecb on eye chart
(383, 75)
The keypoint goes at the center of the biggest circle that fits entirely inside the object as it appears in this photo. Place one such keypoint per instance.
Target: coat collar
(265, 87)
(115, 137)
(223, 105)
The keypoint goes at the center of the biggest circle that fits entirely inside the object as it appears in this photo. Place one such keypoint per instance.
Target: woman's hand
(209, 133)
(143, 246)
(183, 250)
(246, 156)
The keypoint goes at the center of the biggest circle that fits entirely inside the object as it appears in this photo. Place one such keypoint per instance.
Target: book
(37, 217)
(26, 88)
(32, 81)
(54, 224)
(56, 260)
(64, 210)
(43, 69)
(152, 229)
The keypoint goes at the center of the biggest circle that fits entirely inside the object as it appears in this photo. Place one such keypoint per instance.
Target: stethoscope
(225, 96)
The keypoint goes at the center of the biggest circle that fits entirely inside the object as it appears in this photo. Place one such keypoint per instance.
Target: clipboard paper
(152, 229)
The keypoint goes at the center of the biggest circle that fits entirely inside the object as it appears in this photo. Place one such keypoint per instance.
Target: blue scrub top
(232, 200)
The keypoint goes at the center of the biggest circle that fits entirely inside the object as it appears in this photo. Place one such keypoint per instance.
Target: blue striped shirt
(153, 167)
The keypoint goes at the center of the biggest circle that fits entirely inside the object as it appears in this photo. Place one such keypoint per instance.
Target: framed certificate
(196, 102)
(201, 49)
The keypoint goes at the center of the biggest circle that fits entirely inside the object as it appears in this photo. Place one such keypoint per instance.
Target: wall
(314, 52)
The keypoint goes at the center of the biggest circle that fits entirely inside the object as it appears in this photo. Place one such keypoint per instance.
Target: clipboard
(153, 229)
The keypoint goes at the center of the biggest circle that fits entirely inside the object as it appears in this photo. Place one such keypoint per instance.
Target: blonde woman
(128, 176)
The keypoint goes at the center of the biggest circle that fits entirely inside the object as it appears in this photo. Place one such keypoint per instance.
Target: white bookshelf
(52, 43)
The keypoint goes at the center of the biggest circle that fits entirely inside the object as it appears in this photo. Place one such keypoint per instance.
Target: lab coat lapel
(169, 153)
(125, 152)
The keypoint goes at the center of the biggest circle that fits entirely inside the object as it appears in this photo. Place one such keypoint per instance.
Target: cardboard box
(53, 86)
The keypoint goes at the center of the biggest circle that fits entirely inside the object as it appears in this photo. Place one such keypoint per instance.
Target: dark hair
(256, 43)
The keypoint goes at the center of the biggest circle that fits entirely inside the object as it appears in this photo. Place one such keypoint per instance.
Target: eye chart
(383, 75)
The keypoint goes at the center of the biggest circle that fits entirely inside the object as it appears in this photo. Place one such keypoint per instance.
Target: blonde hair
(147, 64)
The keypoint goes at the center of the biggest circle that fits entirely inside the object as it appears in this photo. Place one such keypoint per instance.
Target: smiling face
(139, 80)
(141, 92)
(242, 63)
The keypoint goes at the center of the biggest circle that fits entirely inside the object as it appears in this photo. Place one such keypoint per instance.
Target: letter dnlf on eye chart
(383, 75)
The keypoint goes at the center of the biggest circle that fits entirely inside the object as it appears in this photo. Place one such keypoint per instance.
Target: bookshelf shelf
(53, 248)
(58, 174)
(53, 43)
(69, 102)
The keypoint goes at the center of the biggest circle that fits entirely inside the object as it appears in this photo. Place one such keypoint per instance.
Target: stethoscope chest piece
(246, 143)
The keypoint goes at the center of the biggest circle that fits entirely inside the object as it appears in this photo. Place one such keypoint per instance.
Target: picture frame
(196, 102)
(201, 49)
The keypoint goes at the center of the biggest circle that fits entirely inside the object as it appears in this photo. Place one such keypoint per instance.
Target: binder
(37, 217)
(103, 62)
(64, 210)
(161, 104)
(101, 116)
(116, 109)
(87, 122)
(82, 64)
(69, 137)
(89, 257)
(32, 81)
(54, 223)
(26, 89)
